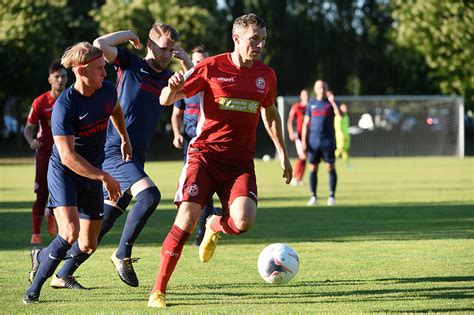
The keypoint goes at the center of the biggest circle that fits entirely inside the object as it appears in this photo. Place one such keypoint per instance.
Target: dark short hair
(199, 49)
(55, 66)
(246, 20)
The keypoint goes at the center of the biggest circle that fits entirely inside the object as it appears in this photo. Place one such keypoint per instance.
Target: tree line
(361, 47)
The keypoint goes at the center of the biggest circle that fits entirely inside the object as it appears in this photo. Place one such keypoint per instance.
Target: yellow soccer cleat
(157, 299)
(209, 242)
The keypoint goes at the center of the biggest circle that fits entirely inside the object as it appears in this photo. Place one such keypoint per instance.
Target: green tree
(442, 32)
(195, 24)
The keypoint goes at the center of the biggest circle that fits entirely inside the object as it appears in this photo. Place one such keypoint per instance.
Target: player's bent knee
(150, 198)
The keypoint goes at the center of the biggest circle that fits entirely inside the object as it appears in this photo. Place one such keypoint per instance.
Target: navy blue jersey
(86, 119)
(191, 107)
(321, 126)
(139, 88)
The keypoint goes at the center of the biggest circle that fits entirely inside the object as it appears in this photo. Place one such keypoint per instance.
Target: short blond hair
(161, 29)
(80, 54)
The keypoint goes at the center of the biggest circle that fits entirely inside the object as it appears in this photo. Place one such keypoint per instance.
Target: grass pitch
(399, 240)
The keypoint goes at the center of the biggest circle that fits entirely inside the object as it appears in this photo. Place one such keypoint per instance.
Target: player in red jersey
(235, 88)
(296, 117)
(40, 116)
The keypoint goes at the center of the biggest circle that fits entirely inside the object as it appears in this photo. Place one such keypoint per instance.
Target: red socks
(226, 225)
(170, 254)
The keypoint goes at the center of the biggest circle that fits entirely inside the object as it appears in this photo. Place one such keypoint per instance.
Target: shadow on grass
(319, 292)
(289, 224)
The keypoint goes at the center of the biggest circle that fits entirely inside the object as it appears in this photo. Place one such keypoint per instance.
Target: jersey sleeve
(307, 111)
(63, 117)
(123, 58)
(181, 105)
(271, 94)
(33, 116)
(195, 79)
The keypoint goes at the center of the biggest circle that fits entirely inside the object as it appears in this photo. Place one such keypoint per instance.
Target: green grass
(399, 240)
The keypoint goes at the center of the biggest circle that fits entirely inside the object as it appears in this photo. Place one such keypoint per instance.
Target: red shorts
(41, 173)
(203, 175)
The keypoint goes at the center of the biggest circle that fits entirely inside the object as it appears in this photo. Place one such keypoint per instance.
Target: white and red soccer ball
(278, 263)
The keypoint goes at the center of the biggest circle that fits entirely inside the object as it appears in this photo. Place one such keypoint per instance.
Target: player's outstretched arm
(272, 122)
(109, 42)
(81, 166)
(118, 120)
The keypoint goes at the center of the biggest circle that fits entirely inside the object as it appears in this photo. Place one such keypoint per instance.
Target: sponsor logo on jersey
(81, 117)
(239, 105)
(193, 190)
(222, 79)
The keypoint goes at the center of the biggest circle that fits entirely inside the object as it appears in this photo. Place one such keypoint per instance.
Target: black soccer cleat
(198, 239)
(34, 264)
(68, 282)
(31, 298)
(125, 270)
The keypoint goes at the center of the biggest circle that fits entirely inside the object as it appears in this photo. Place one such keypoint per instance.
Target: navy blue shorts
(327, 154)
(66, 188)
(126, 173)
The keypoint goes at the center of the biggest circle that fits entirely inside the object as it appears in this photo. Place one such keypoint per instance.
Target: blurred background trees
(359, 46)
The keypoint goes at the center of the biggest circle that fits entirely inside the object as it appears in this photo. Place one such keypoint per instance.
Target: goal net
(397, 125)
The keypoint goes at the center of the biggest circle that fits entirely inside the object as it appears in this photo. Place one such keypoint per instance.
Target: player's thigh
(314, 155)
(329, 154)
(67, 219)
(187, 216)
(88, 235)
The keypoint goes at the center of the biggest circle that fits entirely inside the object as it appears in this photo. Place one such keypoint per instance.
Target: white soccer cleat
(331, 201)
(312, 201)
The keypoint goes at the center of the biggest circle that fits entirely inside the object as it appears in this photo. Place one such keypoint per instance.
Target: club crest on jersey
(260, 83)
(193, 190)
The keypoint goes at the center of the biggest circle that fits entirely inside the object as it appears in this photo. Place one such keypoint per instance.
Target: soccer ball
(278, 263)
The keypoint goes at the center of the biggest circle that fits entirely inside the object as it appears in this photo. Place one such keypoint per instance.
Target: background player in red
(236, 87)
(40, 116)
(295, 119)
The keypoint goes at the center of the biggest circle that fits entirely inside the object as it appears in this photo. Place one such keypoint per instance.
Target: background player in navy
(75, 179)
(318, 139)
(139, 84)
(40, 116)
(185, 115)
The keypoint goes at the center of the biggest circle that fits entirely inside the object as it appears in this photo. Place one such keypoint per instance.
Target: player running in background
(75, 179)
(186, 114)
(40, 115)
(343, 136)
(236, 88)
(295, 118)
(318, 139)
(139, 84)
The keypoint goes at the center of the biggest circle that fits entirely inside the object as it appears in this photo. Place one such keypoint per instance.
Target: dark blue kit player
(75, 178)
(139, 84)
(319, 139)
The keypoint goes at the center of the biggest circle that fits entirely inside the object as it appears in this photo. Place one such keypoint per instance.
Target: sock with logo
(112, 213)
(332, 183)
(313, 182)
(226, 225)
(50, 258)
(74, 258)
(170, 254)
(147, 201)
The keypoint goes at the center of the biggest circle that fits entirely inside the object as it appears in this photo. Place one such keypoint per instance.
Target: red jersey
(231, 98)
(40, 114)
(297, 113)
